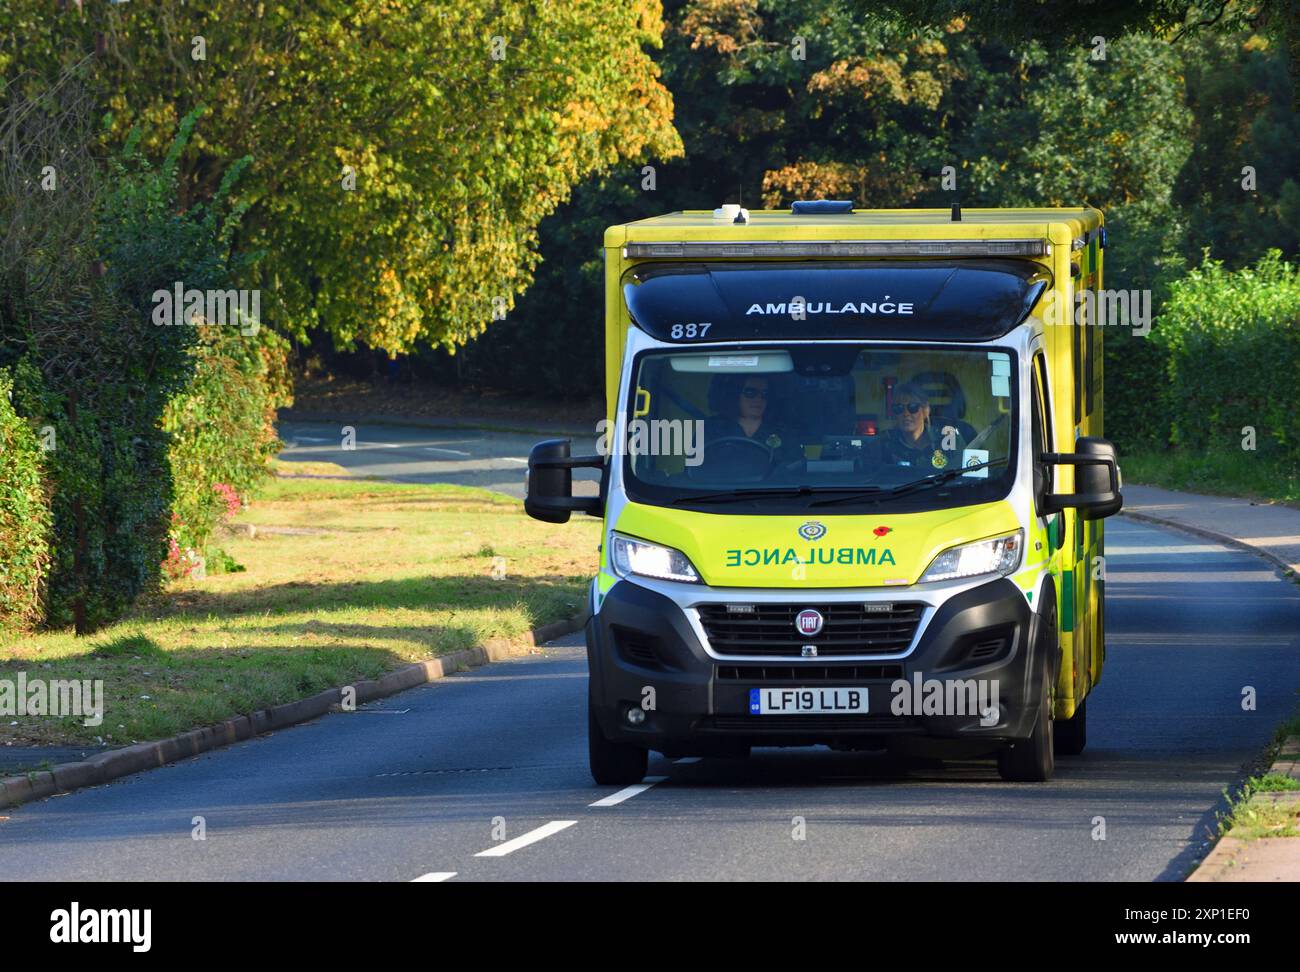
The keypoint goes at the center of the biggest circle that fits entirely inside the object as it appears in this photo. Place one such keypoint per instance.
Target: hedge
(24, 517)
(1233, 344)
(222, 430)
(77, 282)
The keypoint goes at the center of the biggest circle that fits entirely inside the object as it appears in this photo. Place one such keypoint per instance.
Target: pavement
(1270, 529)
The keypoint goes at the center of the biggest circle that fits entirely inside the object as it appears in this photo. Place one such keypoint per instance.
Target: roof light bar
(840, 248)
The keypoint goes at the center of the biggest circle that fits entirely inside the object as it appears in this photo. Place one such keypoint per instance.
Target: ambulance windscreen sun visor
(977, 300)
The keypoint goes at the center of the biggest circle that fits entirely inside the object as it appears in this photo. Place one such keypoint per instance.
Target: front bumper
(644, 653)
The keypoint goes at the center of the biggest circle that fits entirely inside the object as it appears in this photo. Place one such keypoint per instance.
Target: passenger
(913, 441)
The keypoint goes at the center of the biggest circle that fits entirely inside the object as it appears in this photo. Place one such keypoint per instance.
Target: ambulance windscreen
(787, 428)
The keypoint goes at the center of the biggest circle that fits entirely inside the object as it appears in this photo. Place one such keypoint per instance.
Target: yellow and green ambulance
(852, 479)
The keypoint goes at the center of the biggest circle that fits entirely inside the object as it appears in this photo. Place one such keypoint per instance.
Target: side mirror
(1096, 479)
(550, 482)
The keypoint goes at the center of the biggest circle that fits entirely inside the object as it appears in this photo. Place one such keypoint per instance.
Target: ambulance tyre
(1033, 760)
(1072, 734)
(613, 764)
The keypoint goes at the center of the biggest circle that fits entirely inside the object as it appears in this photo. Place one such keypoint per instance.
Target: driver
(913, 441)
(741, 402)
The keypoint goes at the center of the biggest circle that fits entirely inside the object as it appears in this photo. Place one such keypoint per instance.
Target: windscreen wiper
(936, 479)
(726, 496)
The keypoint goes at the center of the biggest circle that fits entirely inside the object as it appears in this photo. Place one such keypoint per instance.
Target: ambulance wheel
(1072, 734)
(613, 764)
(1033, 760)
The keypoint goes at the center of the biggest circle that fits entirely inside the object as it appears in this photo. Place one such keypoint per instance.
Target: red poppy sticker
(881, 531)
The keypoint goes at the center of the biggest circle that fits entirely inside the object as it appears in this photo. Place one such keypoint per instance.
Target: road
(410, 454)
(423, 783)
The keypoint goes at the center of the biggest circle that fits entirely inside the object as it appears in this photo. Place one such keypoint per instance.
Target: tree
(1071, 23)
(872, 110)
(404, 152)
(1240, 186)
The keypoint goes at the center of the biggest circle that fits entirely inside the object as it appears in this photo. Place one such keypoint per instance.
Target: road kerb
(108, 766)
(1214, 535)
(1233, 859)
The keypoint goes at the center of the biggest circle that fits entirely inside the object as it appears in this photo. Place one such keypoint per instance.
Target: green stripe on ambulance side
(1067, 600)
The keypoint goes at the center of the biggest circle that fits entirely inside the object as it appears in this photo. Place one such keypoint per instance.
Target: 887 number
(688, 331)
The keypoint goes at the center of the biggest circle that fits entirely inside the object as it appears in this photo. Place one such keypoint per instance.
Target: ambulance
(852, 482)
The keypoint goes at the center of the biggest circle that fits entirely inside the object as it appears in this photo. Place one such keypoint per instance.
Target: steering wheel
(768, 454)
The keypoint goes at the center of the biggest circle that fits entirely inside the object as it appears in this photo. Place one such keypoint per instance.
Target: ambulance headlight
(630, 556)
(1001, 556)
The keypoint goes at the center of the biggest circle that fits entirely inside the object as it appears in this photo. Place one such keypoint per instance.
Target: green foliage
(1067, 23)
(91, 365)
(220, 562)
(222, 429)
(1223, 471)
(459, 143)
(1242, 99)
(1137, 407)
(1233, 340)
(887, 97)
(464, 154)
(114, 482)
(24, 517)
(552, 344)
(873, 114)
(1113, 134)
(129, 645)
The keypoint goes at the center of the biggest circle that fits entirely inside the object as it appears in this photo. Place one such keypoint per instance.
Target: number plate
(803, 701)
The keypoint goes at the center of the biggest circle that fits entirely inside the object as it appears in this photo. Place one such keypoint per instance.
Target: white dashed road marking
(532, 837)
(628, 792)
(435, 876)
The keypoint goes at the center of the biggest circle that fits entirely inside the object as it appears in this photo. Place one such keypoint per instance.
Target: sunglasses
(912, 407)
(753, 392)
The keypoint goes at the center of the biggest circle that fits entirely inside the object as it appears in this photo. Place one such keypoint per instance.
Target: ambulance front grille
(848, 629)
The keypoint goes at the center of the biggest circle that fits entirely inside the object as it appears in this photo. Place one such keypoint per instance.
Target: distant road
(409, 454)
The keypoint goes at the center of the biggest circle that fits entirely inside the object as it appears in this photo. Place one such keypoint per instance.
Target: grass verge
(1268, 804)
(343, 580)
(1264, 808)
(1241, 473)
